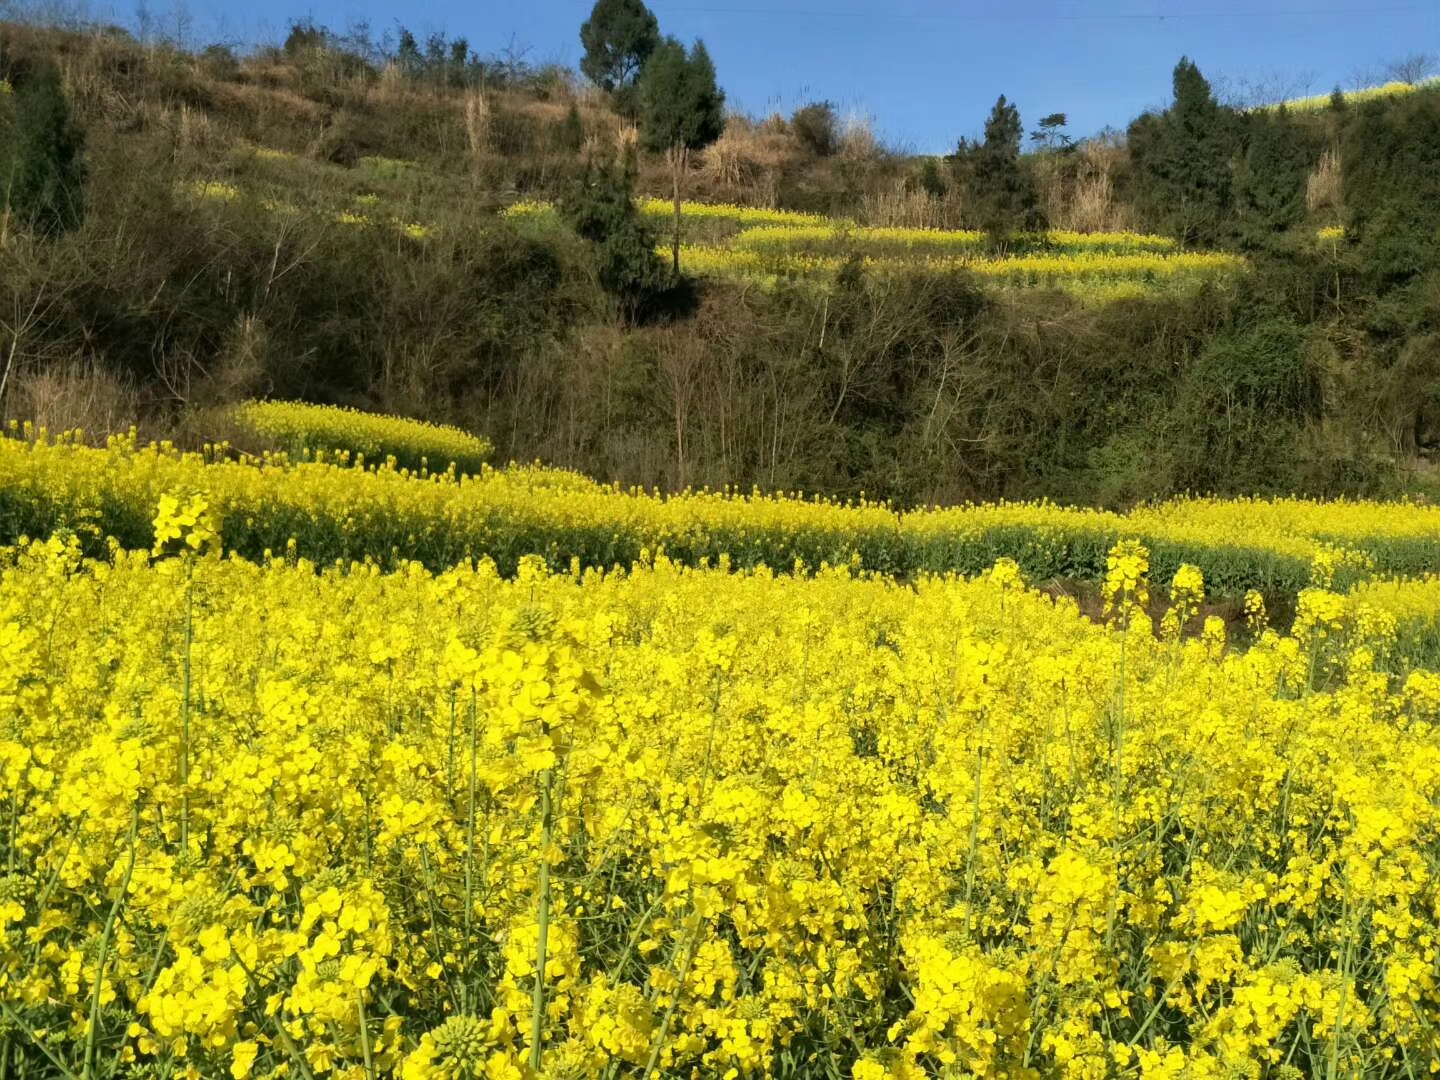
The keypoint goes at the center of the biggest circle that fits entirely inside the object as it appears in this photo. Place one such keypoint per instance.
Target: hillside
(331, 222)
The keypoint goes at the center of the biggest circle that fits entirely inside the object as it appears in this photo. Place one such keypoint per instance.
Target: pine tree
(1003, 191)
(600, 207)
(1270, 180)
(1182, 162)
(681, 110)
(43, 174)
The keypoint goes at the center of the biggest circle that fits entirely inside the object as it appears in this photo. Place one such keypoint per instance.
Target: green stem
(1333, 1065)
(1119, 783)
(14, 822)
(710, 739)
(365, 1038)
(470, 856)
(659, 1044)
(19, 1023)
(537, 1005)
(974, 832)
(185, 709)
(93, 1029)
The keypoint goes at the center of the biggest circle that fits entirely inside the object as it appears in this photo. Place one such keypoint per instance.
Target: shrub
(600, 207)
(817, 128)
(43, 174)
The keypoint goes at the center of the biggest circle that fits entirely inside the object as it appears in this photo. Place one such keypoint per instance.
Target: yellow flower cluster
(1317, 102)
(303, 430)
(767, 247)
(837, 234)
(212, 190)
(744, 216)
(265, 819)
(1093, 273)
(328, 510)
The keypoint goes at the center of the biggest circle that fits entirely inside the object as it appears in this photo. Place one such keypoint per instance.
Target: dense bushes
(41, 169)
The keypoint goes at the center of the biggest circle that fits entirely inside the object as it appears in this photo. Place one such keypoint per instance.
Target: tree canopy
(1003, 190)
(618, 38)
(1182, 161)
(681, 107)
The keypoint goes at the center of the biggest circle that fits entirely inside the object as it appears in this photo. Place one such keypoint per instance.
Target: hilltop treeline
(319, 220)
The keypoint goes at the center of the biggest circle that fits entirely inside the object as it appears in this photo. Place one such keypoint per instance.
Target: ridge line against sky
(923, 72)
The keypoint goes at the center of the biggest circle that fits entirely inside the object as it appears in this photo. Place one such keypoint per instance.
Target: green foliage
(305, 37)
(618, 38)
(1242, 407)
(1051, 134)
(1390, 155)
(1181, 162)
(600, 208)
(1001, 187)
(570, 132)
(931, 180)
(916, 390)
(681, 106)
(41, 168)
(817, 128)
(1270, 179)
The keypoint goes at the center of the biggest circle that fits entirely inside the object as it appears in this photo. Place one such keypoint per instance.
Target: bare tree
(1265, 90)
(1413, 69)
(16, 328)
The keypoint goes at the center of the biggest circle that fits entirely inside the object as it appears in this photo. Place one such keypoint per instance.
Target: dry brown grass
(1078, 192)
(745, 163)
(77, 394)
(477, 125)
(903, 207)
(1323, 187)
(263, 101)
(857, 140)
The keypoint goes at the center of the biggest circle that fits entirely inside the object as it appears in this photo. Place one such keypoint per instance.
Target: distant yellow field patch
(214, 190)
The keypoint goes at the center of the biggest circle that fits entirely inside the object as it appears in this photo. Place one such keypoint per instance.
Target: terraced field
(769, 246)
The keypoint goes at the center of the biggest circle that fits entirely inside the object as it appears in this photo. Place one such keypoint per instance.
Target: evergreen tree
(600, 207)
(1182, 162)
(1279, 153)
(618, 38)
(1390, 158)
(570, 132)
(407, 54)
(43, 174)
(1001, 188)
(681, 110)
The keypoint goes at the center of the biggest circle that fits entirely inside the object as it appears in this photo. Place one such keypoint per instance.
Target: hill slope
(324, 222)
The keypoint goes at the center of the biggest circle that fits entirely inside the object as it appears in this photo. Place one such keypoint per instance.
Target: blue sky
(927, 71)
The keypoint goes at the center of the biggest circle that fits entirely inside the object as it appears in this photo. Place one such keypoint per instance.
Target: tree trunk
(677, 166)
